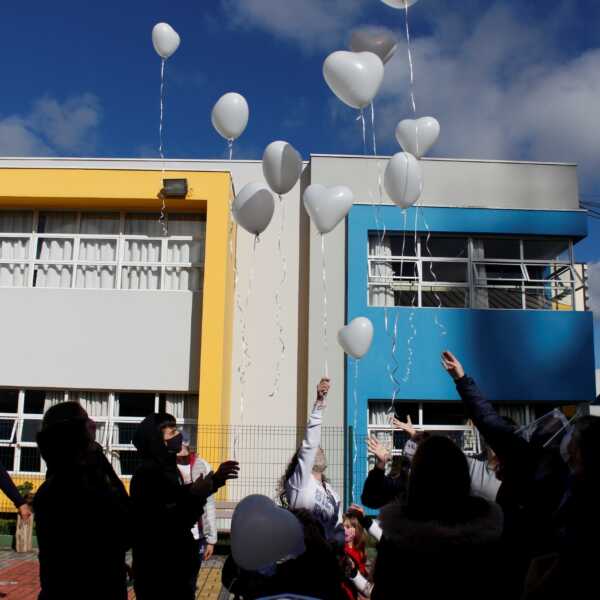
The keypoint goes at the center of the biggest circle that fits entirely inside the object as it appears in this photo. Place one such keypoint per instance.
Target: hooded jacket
(82, 515)
(165, 554)
(432, 559)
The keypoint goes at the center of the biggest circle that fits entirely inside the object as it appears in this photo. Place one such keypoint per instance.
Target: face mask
(174, 444)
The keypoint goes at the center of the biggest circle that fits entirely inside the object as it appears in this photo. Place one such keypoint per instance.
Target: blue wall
(515, 355)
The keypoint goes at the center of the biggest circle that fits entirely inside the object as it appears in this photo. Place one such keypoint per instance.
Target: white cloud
(52, 127)
(315, 24)
(594, 288)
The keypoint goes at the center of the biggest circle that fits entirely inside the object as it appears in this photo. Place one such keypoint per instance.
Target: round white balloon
(253, 207)
(354, 77)
(378, 40)
(253, 518)
(282, 165)
(230, 115)
(399, 3)
(327, 206)
(165, 40)
(417, 136)
(356, 337)
(403, 179)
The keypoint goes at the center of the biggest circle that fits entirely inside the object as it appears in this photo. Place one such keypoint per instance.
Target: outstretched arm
(312, 439)
(498, 434)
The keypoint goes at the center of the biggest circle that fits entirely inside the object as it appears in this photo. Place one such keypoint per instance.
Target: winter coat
(534, 479)
(82, 515)
(165, 555)
(380, 489)
(430, 559)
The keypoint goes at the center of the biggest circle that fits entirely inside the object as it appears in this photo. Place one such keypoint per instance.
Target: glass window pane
(16, 221)
(184, 251)
(445, 271)
(497, 248)
(143, 224)
(14, 275)
(444, 247)
(95, 277)
(55, 249)
(444, 297)
(406, 243)
(182, 279)
(444, 413)
(14, 248)
(142, 251)
(123, 433)
(7, 457)
(135, 405)
(30, 460)
(9, 401)
(98, 250)
(7, 426)
(100, 223)
(549, 249)
(30, 429)
(53, 276)
(129, 461)
(57, 222)
(499, 272)
(187, 224)
(499, 297)
(34, 402)
(140, 278)
(406, 297)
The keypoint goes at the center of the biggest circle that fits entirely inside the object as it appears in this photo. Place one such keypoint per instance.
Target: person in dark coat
(534, 477)
(165, 554)
(81, 512)
(441, 541)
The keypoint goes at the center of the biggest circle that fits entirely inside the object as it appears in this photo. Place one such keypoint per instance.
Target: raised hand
(380, 452)
(406, 426)
(452, 365)
(226, 471)
(322, 390)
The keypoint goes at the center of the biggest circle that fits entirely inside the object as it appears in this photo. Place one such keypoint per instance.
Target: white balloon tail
(230, 148)
(164, 218)
(410, 61)
(355, 425)
(324, 285)
(439, 325)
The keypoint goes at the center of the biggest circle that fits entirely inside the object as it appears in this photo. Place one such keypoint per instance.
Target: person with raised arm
(304, 484)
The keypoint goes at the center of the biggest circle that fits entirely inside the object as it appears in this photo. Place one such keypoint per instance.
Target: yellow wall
(210, 193)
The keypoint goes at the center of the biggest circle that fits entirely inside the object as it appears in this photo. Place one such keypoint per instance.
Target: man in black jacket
(534, 478)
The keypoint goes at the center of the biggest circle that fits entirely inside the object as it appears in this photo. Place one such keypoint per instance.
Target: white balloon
(253, 207)
(418, 136)
(282, 165)
(165, 40)
(378, 40)
(254, 518)
(327, 206)
(399, 3)
(230, 115)
(354, 77)
(356, 337)
(403, 179)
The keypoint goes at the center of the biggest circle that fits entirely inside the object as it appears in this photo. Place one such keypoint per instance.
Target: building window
(116, 416)
(460, 272)
(101, 250)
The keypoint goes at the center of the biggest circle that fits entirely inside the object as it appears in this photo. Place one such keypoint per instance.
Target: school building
(99, 305)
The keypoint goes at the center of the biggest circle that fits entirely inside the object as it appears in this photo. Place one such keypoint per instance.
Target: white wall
(99, 339)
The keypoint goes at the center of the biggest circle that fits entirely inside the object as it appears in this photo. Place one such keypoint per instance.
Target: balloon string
(440, 326)
(246, 360)
(278, 306)
(354, 434)
(324, 281)
(410, 60)
(164, 217)
(230, 148)
(361, 117)
(411, 318)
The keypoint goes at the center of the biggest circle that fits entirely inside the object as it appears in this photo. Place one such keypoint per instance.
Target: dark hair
(439, 483)
(289, 471)
(586, 439)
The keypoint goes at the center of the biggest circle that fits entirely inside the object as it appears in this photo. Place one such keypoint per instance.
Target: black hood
(148, 438)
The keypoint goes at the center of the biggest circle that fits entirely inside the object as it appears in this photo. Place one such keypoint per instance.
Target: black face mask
(174, 444)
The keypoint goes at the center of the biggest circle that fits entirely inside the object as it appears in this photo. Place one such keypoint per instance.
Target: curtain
(15, 275)
(55, 249)
(517, 412)
(481, 294)
(182, 406)
(13, 221)
(140, 278)
(52, 398)
(56, 276)
(381, 295)
(187, 224)
(185, 251)
(57, 222)
(94, 403)
(379, 415)
(95, 277)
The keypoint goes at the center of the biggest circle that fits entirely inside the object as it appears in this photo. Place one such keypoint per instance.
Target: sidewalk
(19, 577)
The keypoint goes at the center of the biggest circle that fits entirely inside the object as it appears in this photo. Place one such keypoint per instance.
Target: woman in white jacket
(304, 484)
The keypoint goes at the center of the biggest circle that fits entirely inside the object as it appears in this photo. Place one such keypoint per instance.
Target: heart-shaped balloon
(354, 77)
(282, 165)
(403, 179)
(254, 518)
(230, 115)
(165, 40)
(418, 136)
(253, 207)
(327, 206)
(378, 40)
(399, 3)
(356, 337)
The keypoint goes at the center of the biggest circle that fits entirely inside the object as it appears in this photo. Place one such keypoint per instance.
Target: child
(355, 541)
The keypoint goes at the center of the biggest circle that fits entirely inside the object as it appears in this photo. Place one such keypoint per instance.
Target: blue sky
(507, 79)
